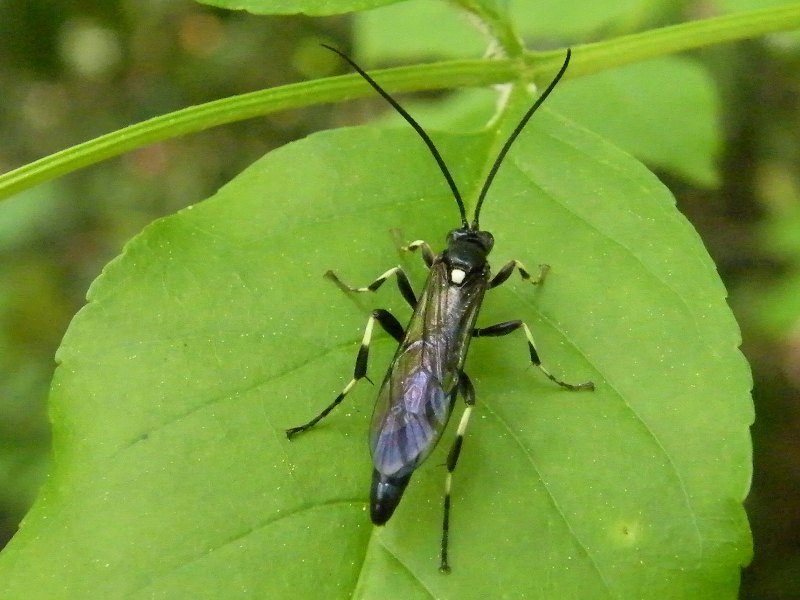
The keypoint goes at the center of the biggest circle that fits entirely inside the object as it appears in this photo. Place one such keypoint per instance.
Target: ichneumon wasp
(426, 374)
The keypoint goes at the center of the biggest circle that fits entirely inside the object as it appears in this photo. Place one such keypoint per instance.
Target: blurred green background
(70, 71)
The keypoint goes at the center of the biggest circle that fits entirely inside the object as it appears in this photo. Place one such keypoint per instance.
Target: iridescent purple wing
(416, 398)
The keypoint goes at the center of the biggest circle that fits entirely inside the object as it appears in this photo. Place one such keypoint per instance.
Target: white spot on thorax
(457, 276)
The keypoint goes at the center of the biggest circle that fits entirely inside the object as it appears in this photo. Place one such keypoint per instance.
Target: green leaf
(775, 302)
(578, 18)
(409, 31)
(466, 110)
(641, 109)
(415, 29)
(675, 128)
(309, 7)
(737, 5)
(215, 330)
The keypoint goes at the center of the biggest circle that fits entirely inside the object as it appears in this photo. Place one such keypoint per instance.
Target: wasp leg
(467, 392)
(393, 327)
(402, 283)
(510, 326)
(427, 253)
(508, 269)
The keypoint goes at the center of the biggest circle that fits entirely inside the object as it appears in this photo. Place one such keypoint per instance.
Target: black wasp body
(426, 375)
(418, 392)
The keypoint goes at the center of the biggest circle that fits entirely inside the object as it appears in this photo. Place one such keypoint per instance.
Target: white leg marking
(462, 425)
(382, 278)
(349, 387)
(368, 331)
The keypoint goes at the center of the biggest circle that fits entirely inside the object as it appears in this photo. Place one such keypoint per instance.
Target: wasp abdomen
(385, 495)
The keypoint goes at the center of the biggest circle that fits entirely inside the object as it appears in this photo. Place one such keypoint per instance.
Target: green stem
(637, 47)
(441, 75)
(588, 59)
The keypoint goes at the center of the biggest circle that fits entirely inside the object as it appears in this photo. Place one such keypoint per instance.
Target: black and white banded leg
(393, 327)
(505, 272)
(402, 283)
(511, 326)
(422, 245)
(467, 392)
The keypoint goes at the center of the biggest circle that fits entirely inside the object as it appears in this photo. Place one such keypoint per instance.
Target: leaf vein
(527, 453)
(239, 536)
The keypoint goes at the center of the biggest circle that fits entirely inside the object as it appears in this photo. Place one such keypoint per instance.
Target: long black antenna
(513, 136)
(425, 137)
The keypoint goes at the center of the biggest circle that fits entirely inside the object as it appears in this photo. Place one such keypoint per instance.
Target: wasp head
(466, 253)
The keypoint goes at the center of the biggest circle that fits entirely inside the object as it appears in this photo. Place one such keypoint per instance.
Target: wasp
(426, 375)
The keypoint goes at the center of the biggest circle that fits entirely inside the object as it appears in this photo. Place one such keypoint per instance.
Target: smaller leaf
(574, 19)
(308, 7)
(663, 111)
(416, 29)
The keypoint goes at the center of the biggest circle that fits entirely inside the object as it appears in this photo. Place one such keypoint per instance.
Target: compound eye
(457, 276)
